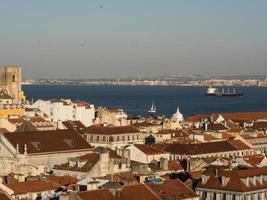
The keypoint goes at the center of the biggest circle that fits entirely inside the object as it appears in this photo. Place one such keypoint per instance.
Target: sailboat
(153, 108)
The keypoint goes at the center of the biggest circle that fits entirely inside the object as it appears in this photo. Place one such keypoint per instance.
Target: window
(13, 78)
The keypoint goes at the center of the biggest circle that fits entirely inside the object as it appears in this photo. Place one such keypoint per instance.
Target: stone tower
(10, 82)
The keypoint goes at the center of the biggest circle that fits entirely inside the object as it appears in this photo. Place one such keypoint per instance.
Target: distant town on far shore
(182, 80)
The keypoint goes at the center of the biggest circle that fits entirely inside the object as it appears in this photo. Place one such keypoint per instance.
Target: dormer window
(36, 145)
(70, 142)
(204, 179)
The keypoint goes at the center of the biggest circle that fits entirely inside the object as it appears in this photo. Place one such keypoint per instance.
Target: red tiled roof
(226, 135)
(105, 130)
(47, 141)
(124, 177)
(246, 116)
(62, 180)
(32, 186)
(216, 127)
(96, 195)
(90, 160)
(174, 133)
(171, 189)
(208, 137)
(206, 147)
(235, 182)
(197, 118)
(113, 154)
(174, 165)
(134, 192)
(4, 196)
(3, 130)
(258, 126)
(238, 144)
(253, 159)
(149, 150)
(76, 125)
(143, 124)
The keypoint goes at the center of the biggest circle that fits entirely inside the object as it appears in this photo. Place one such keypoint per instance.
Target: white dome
(178, 116)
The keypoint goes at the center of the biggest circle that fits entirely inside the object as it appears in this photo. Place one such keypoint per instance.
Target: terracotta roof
(174, 133)
(197, 118)
(160, 146)
(37, 119)
(206, 147)
(76, 125)
(47, 141)
(32, 186)
(246, 116)
(235, 182)
(196, 175)
(216, 127)
(253, 159)
(143, 124)
(134, 192)
(258, 126)
(113, 154)
(232, 125)
(15, 120)
(208, 137)
(26, 126)
(149, 150)
(105, 130)
(31, 124)
(238, 144)
(96, 195)
(125, 177)
(226, 135)
(82, 104)
(3, 130)
(90, 160)
(4, 196)
(171, 189)
(174, 165)
(62, 180)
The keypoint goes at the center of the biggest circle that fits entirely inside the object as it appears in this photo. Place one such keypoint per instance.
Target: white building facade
(64, 110)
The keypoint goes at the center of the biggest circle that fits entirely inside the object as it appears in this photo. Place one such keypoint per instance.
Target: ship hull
(225, 95)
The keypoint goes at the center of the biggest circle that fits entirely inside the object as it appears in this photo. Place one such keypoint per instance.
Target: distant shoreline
(137, 85)
(153, 82)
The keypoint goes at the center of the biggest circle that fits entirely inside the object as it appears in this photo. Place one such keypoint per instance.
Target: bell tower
(10, 76)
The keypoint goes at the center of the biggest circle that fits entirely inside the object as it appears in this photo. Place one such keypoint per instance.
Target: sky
(126, 38)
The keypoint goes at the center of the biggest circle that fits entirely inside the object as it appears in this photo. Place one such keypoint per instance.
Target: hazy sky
(127, 38)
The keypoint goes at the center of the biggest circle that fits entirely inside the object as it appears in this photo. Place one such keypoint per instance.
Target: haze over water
(136, 100)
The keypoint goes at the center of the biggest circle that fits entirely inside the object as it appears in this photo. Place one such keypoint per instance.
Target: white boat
(212, 91)
(153, 108)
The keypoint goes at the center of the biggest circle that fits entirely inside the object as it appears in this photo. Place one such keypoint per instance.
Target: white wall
(57, 111)
(139, 156)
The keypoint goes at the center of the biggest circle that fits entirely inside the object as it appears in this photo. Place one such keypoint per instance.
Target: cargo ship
(212, 91)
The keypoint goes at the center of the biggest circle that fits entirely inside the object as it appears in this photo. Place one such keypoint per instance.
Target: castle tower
(10, 82)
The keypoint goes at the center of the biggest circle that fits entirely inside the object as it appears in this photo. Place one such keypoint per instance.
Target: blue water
(136, 100)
